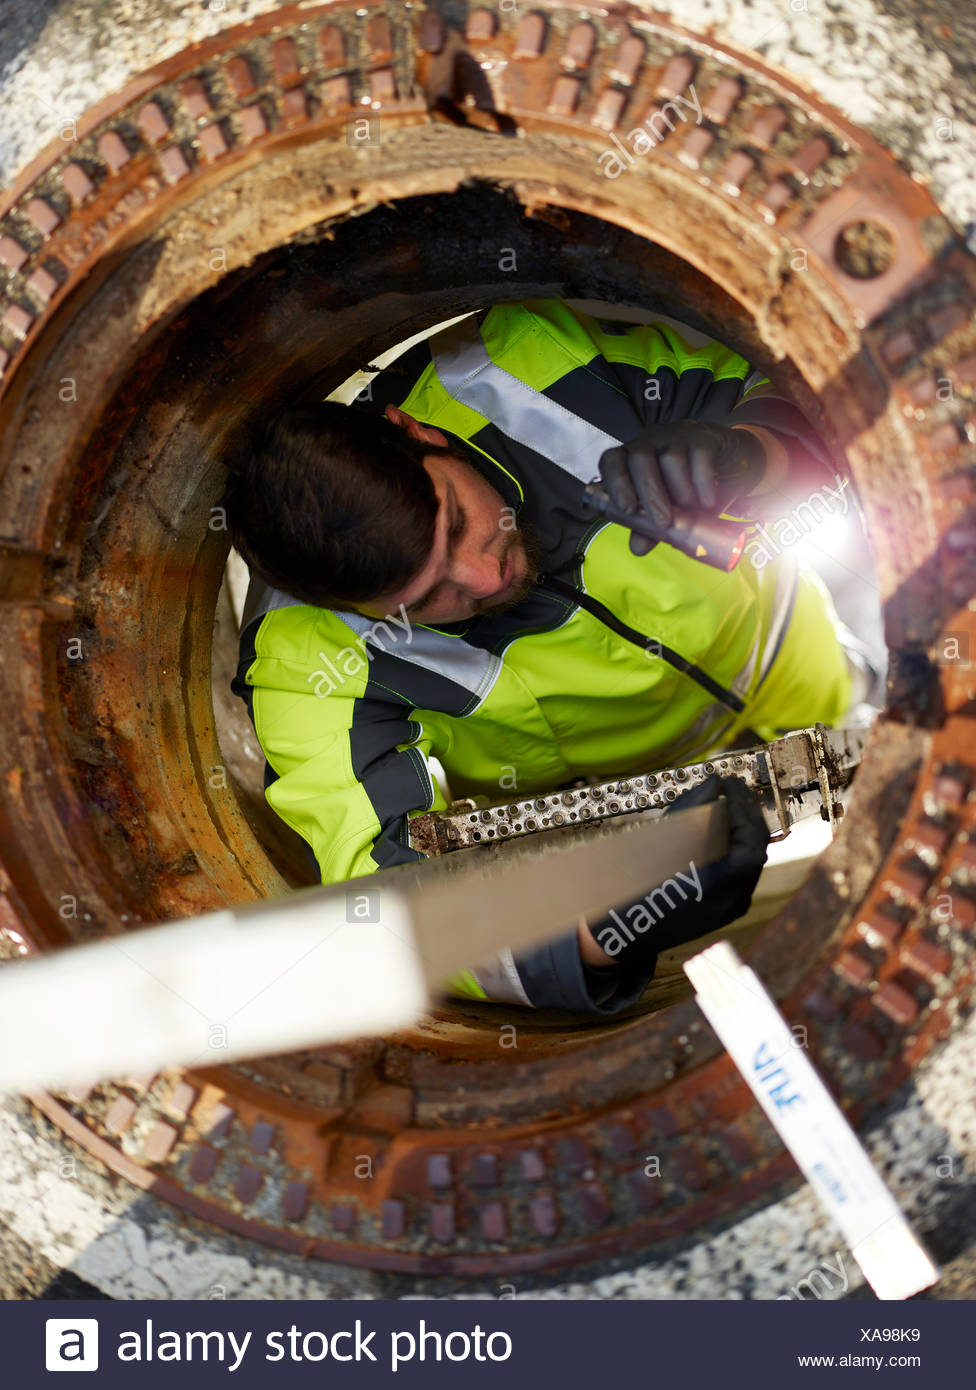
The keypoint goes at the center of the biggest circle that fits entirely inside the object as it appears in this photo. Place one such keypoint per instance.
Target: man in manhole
(427, 583)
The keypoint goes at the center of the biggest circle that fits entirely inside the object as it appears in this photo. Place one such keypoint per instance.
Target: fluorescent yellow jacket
(613, 664)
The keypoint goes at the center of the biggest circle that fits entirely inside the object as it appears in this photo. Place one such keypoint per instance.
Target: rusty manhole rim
(900, 964)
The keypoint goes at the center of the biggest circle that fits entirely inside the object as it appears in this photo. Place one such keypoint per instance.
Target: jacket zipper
(725, 697)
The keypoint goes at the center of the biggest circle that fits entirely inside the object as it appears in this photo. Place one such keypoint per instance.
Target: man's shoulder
(283, 628)
(588, 328)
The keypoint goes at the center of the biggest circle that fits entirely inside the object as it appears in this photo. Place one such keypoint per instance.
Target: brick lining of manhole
(875, 954)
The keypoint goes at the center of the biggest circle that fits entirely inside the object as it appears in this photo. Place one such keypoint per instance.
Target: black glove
(691, 464)
(697, 900)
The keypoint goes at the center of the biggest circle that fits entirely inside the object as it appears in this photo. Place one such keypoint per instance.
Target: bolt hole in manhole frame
(238, 157)
(864, 249)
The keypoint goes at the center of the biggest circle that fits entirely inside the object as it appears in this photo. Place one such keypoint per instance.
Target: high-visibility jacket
(613, 664)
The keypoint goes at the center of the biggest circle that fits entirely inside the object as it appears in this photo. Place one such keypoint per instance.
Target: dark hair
(331, 503)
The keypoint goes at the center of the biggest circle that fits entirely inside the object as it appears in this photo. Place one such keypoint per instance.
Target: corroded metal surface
(144, 306)
(783, 775)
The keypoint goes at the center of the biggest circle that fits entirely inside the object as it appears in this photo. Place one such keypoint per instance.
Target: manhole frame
(567, 1203)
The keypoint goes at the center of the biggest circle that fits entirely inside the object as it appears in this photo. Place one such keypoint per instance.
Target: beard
(523, 538)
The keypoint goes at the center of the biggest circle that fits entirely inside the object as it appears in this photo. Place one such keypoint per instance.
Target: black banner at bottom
(544, 1343)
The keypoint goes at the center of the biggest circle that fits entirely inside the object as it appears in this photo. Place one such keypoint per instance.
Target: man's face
(479, 563)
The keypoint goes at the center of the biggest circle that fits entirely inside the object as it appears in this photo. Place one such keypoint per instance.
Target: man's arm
(349, 767)
(723, 893)
(351, 773)
(796, 459)
(723, 421)
(776, 463)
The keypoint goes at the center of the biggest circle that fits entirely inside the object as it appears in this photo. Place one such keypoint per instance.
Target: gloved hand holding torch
(671, 481)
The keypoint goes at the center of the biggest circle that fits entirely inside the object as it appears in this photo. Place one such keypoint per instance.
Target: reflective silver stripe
(451, 657)
(860, 680)
(705, 721)
(474, 670)
(467, 373)
(754, 376)
(261, 599)
(742, 681)
(784, 599)
(499, 978)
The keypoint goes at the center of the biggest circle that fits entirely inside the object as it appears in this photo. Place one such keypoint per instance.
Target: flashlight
(698, 534)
